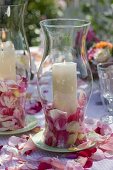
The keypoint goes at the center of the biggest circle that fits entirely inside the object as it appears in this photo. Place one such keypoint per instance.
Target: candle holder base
(38, 139)
(30, 123)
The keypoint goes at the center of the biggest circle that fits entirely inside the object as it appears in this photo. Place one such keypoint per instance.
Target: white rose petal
(72, 139)
(73, 127)
(56, 113)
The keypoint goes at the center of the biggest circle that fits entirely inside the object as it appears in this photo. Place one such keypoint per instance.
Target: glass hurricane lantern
(64, 81)
(14, 67)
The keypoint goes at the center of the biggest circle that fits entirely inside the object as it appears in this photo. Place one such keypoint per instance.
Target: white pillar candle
(64, 77)
(7, 61)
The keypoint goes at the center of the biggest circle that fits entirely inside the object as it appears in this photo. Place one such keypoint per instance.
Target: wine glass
(105, 72)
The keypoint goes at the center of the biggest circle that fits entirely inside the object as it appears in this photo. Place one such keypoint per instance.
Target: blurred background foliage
(38, 10)
(99, 12)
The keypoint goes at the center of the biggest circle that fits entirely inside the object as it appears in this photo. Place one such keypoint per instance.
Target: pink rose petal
(98, 155)
(55, 113)
(44, 166)
(29, 145)
(57, 164)
(82, 160)
(60, 123)
(30, 166)
(108, 154)
(82, 99)
(107, 147)
(104, 128)
(49, 137)
(72, 165)
(4, 158)
(10, 150)
(16, 141)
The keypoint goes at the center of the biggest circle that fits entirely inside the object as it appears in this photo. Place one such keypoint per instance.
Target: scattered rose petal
(89, 163)
(82, 160)
(98, 155)
(10, 149)
(72, 165)
(4, 158)
(44, 165)
(103, 129)
(28, 147)
(16, 141)
(57, 164)
(108, 154)
(30, 166)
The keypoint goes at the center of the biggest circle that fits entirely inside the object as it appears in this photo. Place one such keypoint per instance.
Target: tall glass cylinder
(65, 81)
(14, 67)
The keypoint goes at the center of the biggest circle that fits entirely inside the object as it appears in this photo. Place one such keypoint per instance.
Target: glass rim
(104, 66)
(84, 23)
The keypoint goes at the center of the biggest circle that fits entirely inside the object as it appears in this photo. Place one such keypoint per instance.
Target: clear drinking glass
(65, 81)
(14, 67)
(105, 72)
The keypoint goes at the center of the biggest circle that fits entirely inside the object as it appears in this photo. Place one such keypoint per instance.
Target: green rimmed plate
(39, 142)
(31, 123)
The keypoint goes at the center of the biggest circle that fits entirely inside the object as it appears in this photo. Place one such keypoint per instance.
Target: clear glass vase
(64, 81)
(14, 67)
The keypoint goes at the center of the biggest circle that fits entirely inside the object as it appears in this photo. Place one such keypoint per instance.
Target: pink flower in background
(91, 36)
(100, 52)
(91, 53)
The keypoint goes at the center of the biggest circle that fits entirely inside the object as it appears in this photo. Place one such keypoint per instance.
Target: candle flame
(3, 35)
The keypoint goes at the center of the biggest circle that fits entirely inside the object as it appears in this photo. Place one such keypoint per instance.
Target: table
(95, 110)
